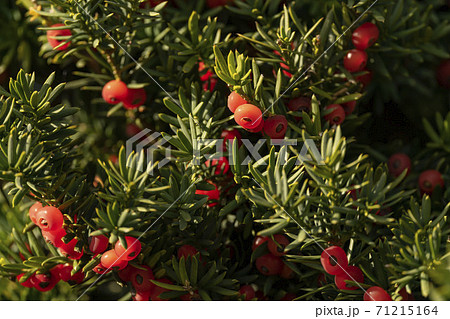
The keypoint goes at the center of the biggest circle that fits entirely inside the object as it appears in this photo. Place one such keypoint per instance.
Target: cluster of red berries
(208, 78)
(50, 220)
(428, 180)
(117, 91)
(363, 37)
(140, 277)
(354, 61)
(117, 258)
(53, 34)
(271, 263)
(47, 281)
(250, 117)
(334, 262)
(335, 117)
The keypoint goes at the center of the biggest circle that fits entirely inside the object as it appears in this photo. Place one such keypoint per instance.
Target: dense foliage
(357, 90)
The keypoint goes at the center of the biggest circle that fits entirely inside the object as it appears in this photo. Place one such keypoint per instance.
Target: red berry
(33, 211)
(398, 163)
(99, 269)
(77, 278)
(140, 278)
(278, 244)
(210, 84)
(365, 35)
(51, 34)
(132, 129)
(258, 241)
(115, 91)
(132, 251)
(286, 272)
(205, 76)
(269, 264)
(275, 126)
(46, 282)
(299, 104)
(49, 218)
(334, 260)
(213, 195)
(125, 274)
(247, 292)
(443, 74)
(349, 107)
(98, 244)
(111, 260)
(69, 250)
(405, 295)
(428, 180)
(351, 273)
(142, 296)
(64, 271)
(365, 79)
(248, 116)
(337, 115)
(42, 277)
(54, 238)
(135, 98)
(186, 251)
(222, 165)
(355, 60)
(157, 291)
(234, 101)
(27, 283)
(284, 67)
(376, 293)
(190, 296)
(113, 158)
(257, 129)
(228, 137)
